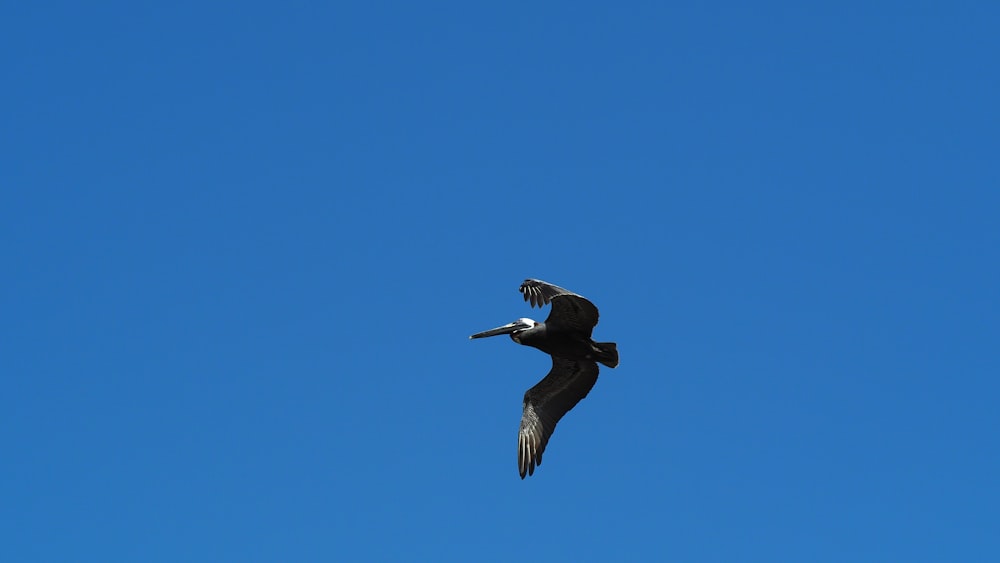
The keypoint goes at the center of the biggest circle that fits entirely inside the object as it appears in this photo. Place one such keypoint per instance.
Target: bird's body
(566, 337)
(565, 344)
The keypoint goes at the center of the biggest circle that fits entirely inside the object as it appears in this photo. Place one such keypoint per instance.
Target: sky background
(244, 245)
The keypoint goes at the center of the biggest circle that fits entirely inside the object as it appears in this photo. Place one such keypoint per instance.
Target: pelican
(565, 335)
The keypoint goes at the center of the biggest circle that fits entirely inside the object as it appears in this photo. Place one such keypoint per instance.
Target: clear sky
(244, 245)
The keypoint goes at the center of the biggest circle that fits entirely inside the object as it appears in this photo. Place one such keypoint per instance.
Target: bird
(566, 337)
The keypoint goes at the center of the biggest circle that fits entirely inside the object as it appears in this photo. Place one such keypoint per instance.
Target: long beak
(505, 329)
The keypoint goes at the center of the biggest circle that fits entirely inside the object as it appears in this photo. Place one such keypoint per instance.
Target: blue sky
(245, 245)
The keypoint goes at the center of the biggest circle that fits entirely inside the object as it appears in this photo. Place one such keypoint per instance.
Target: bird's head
(513, 329)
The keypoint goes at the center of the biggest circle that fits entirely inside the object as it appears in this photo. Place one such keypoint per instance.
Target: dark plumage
(565, 335)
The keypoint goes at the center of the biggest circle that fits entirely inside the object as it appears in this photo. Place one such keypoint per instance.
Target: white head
(523, 324)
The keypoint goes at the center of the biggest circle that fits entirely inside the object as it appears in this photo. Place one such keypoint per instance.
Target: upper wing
(567, 383)
(569, 310)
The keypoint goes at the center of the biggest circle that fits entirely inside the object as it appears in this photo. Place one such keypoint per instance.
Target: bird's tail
(608, 353)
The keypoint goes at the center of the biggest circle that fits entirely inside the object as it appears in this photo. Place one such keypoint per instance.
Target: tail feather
(609, 354)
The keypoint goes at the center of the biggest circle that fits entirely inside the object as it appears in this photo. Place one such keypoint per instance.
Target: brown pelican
(565, 335)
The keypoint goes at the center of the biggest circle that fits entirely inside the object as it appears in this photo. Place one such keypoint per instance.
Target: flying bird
(565, 335)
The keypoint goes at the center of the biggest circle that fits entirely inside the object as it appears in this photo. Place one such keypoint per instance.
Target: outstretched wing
(567, 383)
(569, 310)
